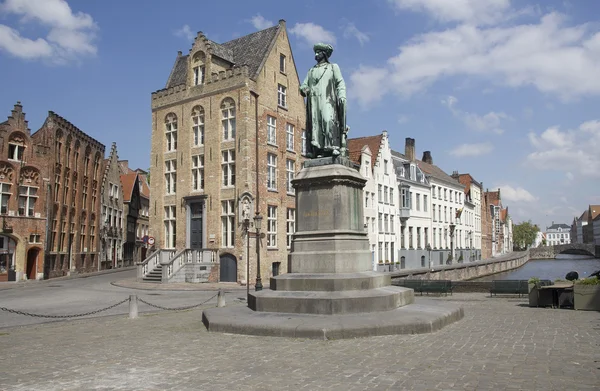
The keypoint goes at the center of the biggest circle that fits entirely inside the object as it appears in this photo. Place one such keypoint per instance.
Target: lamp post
(257, 223)
(452, 227)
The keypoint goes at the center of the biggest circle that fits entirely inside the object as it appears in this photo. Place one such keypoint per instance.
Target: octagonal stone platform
(330, 290)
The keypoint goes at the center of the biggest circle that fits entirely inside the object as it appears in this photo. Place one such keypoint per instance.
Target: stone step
(329, 281)
(329, 303)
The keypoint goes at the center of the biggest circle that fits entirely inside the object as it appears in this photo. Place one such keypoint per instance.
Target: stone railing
(175, 269)
(466, 271)
(151, 262)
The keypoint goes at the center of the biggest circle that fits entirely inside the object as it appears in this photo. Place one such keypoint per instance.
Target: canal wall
(468, 270)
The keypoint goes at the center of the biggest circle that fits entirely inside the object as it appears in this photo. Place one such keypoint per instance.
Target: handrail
(152, 262)
(186, 256)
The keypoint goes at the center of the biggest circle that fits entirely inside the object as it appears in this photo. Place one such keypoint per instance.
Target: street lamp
(452, 227)
(257, 223)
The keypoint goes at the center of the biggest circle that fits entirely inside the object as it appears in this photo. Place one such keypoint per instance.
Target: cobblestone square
(501, 344)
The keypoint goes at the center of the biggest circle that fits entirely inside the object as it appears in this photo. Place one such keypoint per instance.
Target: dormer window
(413, 172)
(199, 73)
(15, 151)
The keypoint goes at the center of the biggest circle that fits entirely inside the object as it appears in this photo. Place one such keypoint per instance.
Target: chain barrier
(62, 316)
(176, 308)
(104, 309)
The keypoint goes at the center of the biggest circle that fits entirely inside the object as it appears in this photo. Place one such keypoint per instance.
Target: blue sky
(505, 90)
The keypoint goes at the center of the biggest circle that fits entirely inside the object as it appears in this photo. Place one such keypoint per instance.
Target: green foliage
(588, 281)
(524, 235)
(534, 280)
(461, 258)
(543, 242)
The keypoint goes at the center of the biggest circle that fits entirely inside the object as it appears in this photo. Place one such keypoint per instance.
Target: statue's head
(323, 49)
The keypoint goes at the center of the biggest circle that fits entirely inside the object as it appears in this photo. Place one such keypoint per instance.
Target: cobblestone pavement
(500, 345)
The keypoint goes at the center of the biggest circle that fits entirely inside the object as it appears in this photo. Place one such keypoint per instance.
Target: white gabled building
(373, 153)
(471, 215)
(414, 213)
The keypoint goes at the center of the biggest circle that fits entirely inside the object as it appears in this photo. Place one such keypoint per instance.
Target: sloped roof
(144, 189)
(250, 50)
(355, 146)
(436, 172)
(128, 183)
(561, 225)
(595, 211)
(584, 215)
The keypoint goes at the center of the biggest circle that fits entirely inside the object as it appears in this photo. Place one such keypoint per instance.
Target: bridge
(545, 252)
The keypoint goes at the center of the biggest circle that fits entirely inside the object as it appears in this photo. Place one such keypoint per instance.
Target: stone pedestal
(330, 290)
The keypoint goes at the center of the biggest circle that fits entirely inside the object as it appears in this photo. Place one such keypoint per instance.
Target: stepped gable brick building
(226, 129)
(24, 183)
(111, 222)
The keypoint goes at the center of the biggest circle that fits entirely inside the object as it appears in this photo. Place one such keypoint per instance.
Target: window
(418, 201)
(228, 119)
(386, 246)
(96, 166)
(281, 95)
(418, 237)
(289, 137)
(271, 226)
(380, 222)
(199, 72)
(379, 193)
(380, 247)
(227, 223)
(410, 237)
(4, 197)
(386, 227)
(434, 238)
(391, 223)
(271, 130)
(303, 152)
(433, 210)
(433, 192)
(291, 226)
(15, 151)
(392, 253)
(385, 195)
(410, 199)
(271, 171)
(425, 202)
(84, 194)
(282, 63)
(170, 220)
(171, 176)
(171, 132)
(34, 238)
(198, 172)
(385, 167)
(290, 168)
(391, 195)
(27, 199)
(405, 200)
(198, 125)
(367, 166)
(67, 153)
(445, 214)
(413, 172)
(86, 164)
(422, 260)
(228, 167)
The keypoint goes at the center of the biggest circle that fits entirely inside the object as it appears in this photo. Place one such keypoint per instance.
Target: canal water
(550, 269)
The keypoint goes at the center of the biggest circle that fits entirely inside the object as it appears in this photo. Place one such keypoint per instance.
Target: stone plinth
(331, 291)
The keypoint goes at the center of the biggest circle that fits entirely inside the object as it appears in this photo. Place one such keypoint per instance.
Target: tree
(524, 235)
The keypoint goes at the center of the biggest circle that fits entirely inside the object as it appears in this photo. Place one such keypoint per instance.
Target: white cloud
(489, 122)
(471, 11)
(572, 151)
(470, 150)
(368, 84)
(555, 58)
(403, 118)
(313, 33)
(350, 30)
(185, 32)
(515, 194)
(260, 23)
(70, 35)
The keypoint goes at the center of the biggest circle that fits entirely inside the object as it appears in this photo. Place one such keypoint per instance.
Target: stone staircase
(155, 275)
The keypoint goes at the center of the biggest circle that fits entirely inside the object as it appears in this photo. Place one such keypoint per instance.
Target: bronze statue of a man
(325, 93)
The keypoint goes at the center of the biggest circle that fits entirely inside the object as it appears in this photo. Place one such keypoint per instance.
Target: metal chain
(63, 316)
(176, 308)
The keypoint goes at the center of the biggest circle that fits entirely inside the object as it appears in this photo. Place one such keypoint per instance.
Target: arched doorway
(228, 268)
(32, 260)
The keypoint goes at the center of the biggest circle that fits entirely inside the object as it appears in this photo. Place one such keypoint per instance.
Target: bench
(510, 287)
(427, 286)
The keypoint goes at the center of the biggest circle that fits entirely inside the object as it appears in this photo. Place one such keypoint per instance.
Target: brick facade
(241, 88)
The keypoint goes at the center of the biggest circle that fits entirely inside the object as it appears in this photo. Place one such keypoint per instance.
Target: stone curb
(132, 283)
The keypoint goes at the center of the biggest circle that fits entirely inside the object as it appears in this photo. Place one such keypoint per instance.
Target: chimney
(282, 22)
(427, 157)
(409, 149)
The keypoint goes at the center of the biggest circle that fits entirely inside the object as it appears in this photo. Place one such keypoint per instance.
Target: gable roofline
(356, 145)
(270, 48)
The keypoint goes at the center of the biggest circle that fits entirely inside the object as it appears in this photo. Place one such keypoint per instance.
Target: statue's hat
(324, 47)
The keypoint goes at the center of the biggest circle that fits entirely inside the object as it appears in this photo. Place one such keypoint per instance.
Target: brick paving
(501, 344)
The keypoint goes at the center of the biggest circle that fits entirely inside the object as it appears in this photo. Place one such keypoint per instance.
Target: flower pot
(533, 295)
(586, 297)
